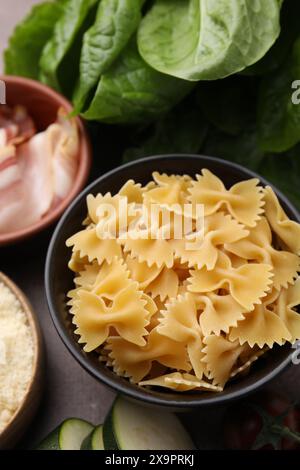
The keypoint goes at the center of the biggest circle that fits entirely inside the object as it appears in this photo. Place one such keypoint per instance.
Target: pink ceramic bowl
(42, 104)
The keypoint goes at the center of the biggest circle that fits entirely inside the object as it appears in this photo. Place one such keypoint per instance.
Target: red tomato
(242, 423)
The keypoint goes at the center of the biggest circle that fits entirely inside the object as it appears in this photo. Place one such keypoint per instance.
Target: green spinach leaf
(115, 23)
(278, 116)
(29, 38)
(290, 30)
(207, 39)
(66, 32)
(131, 91)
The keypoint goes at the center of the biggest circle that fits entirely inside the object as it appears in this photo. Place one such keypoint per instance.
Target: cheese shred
(16, 355)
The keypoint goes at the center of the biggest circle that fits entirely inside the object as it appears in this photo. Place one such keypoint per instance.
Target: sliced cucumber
(134, 427)
(68, 436)
(94, 441)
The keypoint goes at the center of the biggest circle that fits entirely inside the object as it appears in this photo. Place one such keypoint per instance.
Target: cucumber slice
(134, 427)
(94, 441)
(68, 436)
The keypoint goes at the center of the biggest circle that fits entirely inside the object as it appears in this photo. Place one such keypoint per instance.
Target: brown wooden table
(69, 390)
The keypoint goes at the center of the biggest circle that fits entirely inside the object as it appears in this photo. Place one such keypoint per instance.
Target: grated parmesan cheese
(16, 355)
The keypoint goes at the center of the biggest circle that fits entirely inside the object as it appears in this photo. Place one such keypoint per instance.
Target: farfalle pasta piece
(108, 281)
(76, 263)
(112, 215)
(171, 191)
(105, 280)
(261, 327)
(72, 302)
(165, 285)
(127, 314)
(95, 202)
(157, 222)
(258, 246)
(236, 261)
(287, 230)
(88, 244)
(141, 272)
(155, 319)
(220, 356)
(182, 382)
(86, 278)
(162, 179)
(247, 283)
(132, 191)
(156, 252)
(244, 200)
(150, 306)
(111, 279)
(135, 362)
(219, 229)
(180, 323)
(218, 313)
(289, 299)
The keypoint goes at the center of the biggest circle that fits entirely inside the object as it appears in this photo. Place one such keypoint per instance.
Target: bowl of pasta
(174, 280)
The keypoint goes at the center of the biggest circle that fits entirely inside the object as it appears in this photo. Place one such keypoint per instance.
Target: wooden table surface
(69, 390)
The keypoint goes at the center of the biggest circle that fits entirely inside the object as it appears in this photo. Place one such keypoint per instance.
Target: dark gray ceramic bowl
(59, 281)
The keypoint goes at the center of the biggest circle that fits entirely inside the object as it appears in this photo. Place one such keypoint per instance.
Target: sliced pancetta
(36, 173)
(16, 125)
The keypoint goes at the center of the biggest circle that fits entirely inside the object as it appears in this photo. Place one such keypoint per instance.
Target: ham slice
(8, 134)
(16, 125)
(37, 174)
(10, 188)
(63, 144)
(9, 169)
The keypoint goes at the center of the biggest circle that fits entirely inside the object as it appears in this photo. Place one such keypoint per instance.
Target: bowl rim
(83, 170)
(38, 346)
(115, 383)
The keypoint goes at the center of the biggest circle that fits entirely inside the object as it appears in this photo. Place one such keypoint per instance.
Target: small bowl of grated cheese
(21, 356)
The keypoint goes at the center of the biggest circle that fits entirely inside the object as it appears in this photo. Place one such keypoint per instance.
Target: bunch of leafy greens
(87, 49)
(248, 117)
(129, 61)
(208, 76)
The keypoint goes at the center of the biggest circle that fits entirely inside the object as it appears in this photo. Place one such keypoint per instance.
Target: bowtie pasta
(190, 312)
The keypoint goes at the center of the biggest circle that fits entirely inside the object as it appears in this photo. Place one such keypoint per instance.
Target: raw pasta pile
(164, 315)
